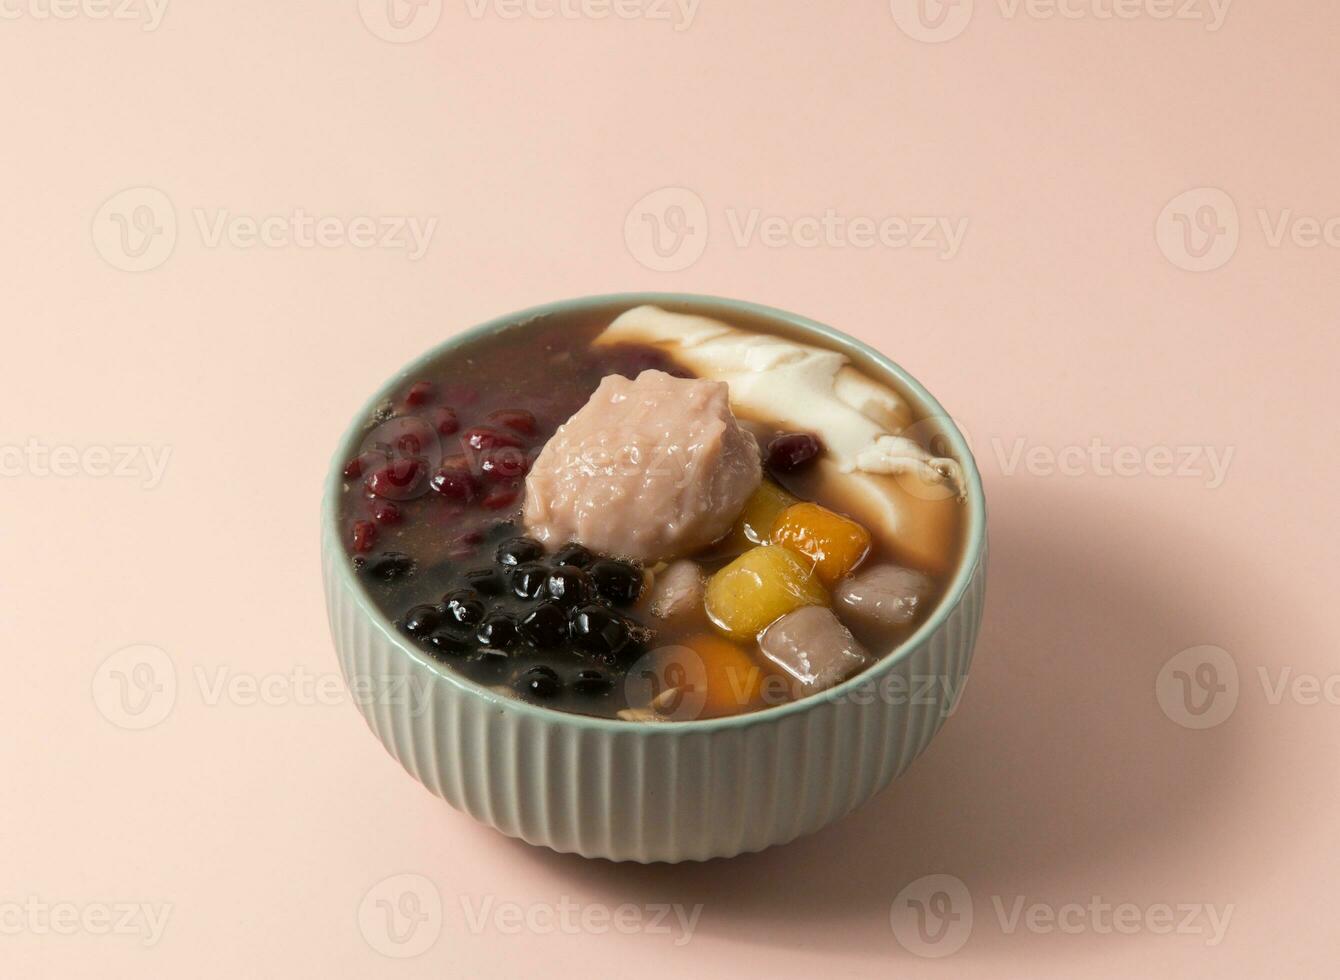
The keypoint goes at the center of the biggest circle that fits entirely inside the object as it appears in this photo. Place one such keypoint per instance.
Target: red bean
(419, 393)
(516, 419)
(365, 536)
(793, 452)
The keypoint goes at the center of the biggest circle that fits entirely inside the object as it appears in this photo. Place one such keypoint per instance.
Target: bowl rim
(974, 545)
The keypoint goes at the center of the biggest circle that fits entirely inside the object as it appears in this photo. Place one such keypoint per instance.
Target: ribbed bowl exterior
(635, 792)
(673, 791)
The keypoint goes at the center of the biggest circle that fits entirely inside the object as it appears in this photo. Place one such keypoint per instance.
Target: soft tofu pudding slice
(651, 469)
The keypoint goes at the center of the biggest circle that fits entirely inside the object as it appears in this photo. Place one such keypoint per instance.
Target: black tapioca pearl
(539, 682)
(545, 626)
(592, 682)
(568, 584)
(616, 581)
(600, 632)
(445, 642)
(421, 620)
(389, 566)
(486, 581)
(573, 554)
(528, 580)
(498, 630)
(463, 606)
(518, 551)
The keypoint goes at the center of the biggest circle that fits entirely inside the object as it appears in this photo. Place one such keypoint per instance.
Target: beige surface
(1063, 326)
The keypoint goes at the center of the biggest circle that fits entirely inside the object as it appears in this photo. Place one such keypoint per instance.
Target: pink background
(1066, 317)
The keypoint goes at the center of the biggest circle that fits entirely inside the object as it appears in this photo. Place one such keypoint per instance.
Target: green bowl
(666, 791)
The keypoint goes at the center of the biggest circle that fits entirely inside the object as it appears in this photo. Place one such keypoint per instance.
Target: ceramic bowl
(673, 791)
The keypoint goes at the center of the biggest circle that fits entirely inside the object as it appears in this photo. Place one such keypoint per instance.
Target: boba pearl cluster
(528, 602)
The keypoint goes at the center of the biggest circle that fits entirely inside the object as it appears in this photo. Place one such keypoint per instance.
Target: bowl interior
(739, 313)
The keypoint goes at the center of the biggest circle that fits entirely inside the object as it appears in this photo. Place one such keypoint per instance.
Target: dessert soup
(653, 515)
